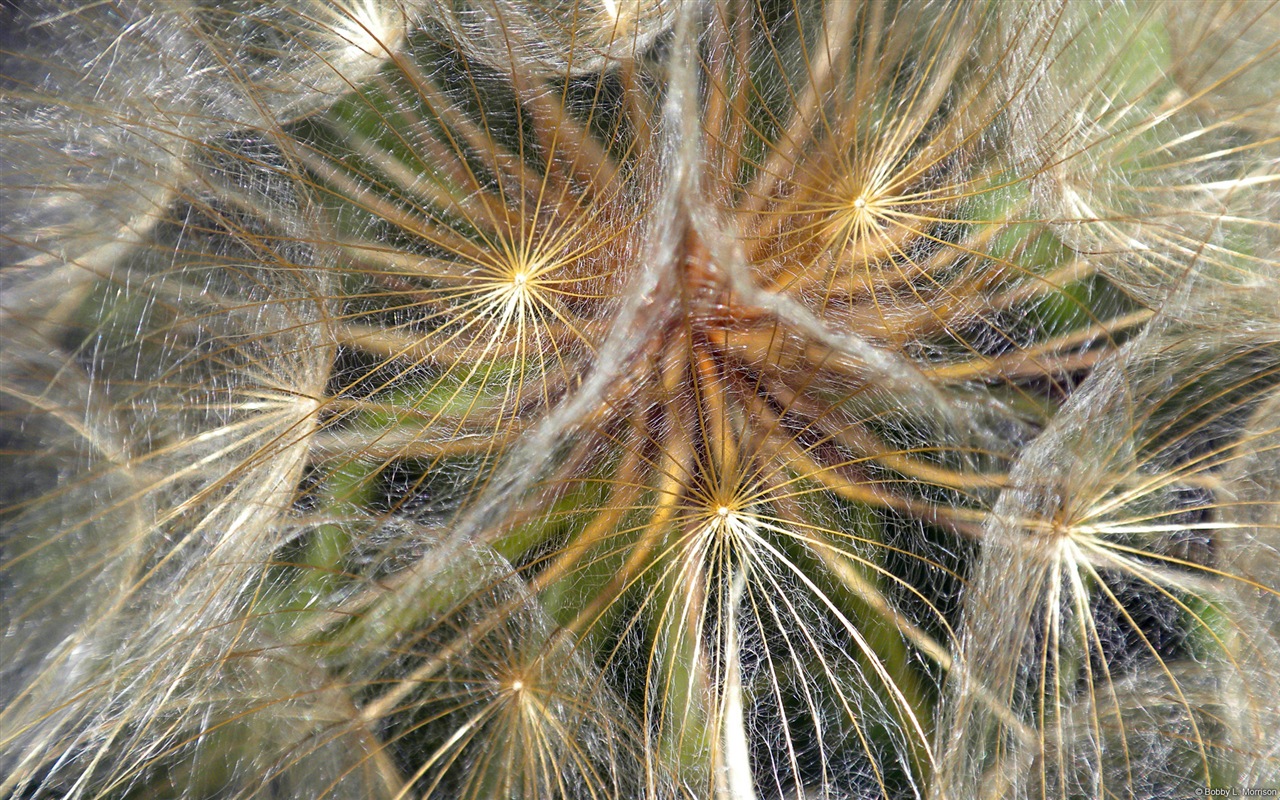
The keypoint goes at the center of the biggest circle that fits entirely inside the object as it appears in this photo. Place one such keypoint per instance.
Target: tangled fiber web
(727, 399)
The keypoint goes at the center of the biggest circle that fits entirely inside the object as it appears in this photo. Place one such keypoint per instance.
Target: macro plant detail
(639, 398)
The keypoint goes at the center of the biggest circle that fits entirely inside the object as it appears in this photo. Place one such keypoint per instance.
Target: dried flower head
(595, 399)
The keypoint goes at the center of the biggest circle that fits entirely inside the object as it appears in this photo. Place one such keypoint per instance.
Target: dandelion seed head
(577, 491)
